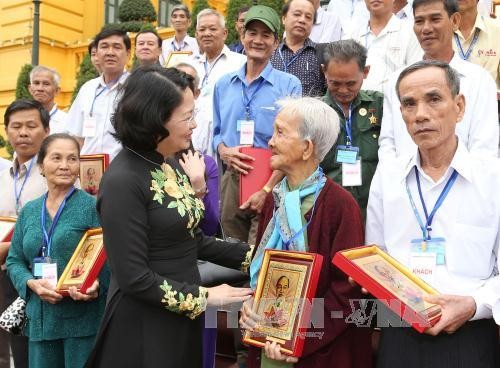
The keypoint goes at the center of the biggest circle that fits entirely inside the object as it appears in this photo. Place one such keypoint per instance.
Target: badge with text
(89, 127)
(346, 154)
(434, 245)
(351, 174)
(423, 265)
(247, 131)
(49, 273)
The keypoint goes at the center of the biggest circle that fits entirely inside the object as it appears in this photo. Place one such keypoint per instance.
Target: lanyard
(348, 123)
(246, 99)
(208, 70)
(285, 65)
(426, 229)
(465, 55)
(16, 176)
(47, 237)
(112, 83)
(298, 233)
(368, 31)
(181, 45)
(53, 113)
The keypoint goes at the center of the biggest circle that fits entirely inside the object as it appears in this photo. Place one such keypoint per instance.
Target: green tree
(23, 81)
(136, 10)
(232, 17)
(85, 73)
(198, 6)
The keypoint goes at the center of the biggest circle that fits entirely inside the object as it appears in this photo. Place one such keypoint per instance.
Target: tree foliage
(198, 6)
(85, 73)
(23, 81)
(136, 10)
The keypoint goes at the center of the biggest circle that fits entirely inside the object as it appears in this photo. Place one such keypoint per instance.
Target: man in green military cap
(353, 159)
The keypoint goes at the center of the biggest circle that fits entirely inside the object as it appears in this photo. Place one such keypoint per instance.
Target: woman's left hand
(273, 352)
(91, 294)
(194, 167)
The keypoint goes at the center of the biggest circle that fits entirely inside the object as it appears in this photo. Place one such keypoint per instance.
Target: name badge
(435, 245)
(346, 154)
(49, 273)
(351, 174)
(423, 265)
(89, 127)
(247, 131)
(37, 266)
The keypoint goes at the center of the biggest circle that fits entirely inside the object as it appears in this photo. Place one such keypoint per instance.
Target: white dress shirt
(327, 28)
(406, 13)
(170, 44)
(226, 62)
(353, 14)
(58, 120)
(469, 220)
(396, 46)
(478, 129)
(104, 107)
(4, 163)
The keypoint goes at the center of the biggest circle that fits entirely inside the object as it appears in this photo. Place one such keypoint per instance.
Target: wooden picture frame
(92, 169)
(283, 298)
(176, 57)
(85, 263)
(392, 283)
(7, 225)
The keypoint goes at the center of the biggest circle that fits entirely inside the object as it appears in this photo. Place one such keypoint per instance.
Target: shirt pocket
(470, 251)
(264, 121)
(368, 139)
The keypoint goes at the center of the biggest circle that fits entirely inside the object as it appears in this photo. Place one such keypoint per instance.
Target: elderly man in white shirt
(352, 13)
(391, 43)
(216, 61)
(478, 130)
(91, 112)
(439, 211)
(43, 87)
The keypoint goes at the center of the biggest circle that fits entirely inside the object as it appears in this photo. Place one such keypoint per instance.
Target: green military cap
(266, 15)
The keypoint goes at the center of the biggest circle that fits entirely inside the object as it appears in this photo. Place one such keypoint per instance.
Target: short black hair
(286, 8)
(181, 79)
(108, 32)
(243, 9)
(451, 6)
(149, 98)
(26, 104)
(345, 51)
(50, 139)
(92, 45)
(451, 75)
(158, 38)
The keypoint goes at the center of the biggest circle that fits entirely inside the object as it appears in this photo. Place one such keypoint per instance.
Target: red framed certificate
(258, 177)
(7, 228)
(92, 169)
(85, 263)
(283, 299)
(392, 283)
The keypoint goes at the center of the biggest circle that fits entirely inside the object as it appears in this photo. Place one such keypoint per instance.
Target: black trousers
(474, 345)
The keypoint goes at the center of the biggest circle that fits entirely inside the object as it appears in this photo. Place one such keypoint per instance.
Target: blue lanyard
(112, 83)
(465, 55)
(298, 233)
(285, 65)
(246, 99)
(181, 45)
(368, 30)
(16, 176)
(348, 123)
(53, 113)
(208, 70)
(426, 229)
(47, 237)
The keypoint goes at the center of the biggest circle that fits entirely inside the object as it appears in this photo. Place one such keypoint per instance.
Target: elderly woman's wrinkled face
(61, 164)
(286, 144)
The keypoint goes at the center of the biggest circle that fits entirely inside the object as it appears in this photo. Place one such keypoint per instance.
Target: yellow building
(66, 28)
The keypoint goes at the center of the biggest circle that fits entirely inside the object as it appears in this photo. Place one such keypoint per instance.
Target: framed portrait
(495, 9)
(392, 283)
(85, 263)
(176, 57)
(92, 168)
(283, 299)
(7, 228)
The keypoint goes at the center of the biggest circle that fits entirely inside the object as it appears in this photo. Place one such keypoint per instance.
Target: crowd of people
(382, 119)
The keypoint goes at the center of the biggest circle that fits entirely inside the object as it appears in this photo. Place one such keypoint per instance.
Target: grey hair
(345, 51)
(452, 76)
(182, 7)
(188, 65)
(320, 123)
(208, 11)
(56, 78)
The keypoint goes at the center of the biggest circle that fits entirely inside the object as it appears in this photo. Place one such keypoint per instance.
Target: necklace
(144, 158)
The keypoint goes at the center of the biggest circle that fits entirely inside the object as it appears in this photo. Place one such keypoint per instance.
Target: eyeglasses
(190, 119)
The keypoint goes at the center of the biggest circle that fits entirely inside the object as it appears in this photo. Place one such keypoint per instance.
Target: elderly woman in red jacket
(307, 211)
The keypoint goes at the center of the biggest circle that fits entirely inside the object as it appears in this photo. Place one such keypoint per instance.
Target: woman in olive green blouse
(61, 330)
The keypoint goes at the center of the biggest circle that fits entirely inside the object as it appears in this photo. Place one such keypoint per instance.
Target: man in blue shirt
(244, 102)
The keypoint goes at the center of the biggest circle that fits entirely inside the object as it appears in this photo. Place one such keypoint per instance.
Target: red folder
(258, 177)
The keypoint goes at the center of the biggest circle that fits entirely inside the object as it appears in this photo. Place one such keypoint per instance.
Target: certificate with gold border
(392, 283)
(176, 57)
(85, 263)
(7, 228)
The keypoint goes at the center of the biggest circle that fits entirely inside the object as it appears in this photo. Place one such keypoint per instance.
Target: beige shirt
(486, 51)
(34, 186)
